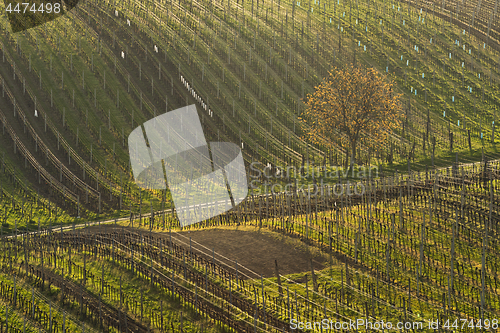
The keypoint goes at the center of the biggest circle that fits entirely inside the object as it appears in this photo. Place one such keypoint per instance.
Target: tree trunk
(353, 155)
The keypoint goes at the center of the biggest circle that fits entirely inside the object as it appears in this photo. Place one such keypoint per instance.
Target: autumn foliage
(350, 106)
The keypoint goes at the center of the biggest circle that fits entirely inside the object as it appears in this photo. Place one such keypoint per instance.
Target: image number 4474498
(27, 15)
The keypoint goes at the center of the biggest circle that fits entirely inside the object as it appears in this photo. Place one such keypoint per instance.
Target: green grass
(72, 44)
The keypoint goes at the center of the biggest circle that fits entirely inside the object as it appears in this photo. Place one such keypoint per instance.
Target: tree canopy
(350, 106)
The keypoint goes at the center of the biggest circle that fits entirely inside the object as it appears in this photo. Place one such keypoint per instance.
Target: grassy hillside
(419, 243)
(410, 250)
(252, 64)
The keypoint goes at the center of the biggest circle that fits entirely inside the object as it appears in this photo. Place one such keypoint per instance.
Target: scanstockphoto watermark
(258, 171)
(356, 325)
(321, 188)
(275, 180)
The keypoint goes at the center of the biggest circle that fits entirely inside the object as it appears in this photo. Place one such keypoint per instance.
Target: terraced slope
(97, 73)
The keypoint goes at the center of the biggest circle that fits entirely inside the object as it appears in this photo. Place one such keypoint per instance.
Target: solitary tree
(351, 106)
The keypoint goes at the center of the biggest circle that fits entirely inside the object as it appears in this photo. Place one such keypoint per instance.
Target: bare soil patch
(254, 250)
